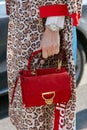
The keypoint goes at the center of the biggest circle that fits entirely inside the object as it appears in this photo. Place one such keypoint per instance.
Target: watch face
(53, 27)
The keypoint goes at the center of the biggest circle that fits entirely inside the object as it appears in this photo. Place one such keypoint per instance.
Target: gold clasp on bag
(50, 100)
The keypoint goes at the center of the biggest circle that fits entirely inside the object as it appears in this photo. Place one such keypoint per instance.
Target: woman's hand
(50, 43)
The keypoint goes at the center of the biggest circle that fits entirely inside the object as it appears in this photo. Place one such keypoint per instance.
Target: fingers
(50, 50)
(44, 53)
(50, 43)
(57, 48)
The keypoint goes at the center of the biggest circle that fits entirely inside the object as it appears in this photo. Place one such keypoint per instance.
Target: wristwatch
(53, 27)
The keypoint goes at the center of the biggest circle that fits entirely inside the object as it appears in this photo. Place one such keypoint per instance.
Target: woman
(25, 35)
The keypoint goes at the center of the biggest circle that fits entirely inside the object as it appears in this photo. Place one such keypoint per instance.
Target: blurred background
(81, 70)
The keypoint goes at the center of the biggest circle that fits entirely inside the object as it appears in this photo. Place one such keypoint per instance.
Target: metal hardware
(33, 72)
(59, 64)
(50, 100)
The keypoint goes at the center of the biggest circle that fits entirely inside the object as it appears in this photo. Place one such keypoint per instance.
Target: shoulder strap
(14, 90)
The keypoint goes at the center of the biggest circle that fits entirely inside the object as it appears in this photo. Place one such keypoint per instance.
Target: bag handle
(39, 51)
(16, 82)
(31, 57)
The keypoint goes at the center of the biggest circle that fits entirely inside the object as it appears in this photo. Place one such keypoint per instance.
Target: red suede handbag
(45, 86)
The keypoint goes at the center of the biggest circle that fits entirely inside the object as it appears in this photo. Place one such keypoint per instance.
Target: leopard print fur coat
(24, 35)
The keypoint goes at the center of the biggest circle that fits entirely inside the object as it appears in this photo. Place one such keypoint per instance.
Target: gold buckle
(50, 100)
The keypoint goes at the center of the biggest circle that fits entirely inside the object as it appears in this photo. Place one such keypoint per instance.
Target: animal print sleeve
(70, 8)
(74, 8)
(8, 6)
(79, 6)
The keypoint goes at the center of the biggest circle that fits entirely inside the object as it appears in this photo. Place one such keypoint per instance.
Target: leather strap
(14, 90)
(61, 57)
